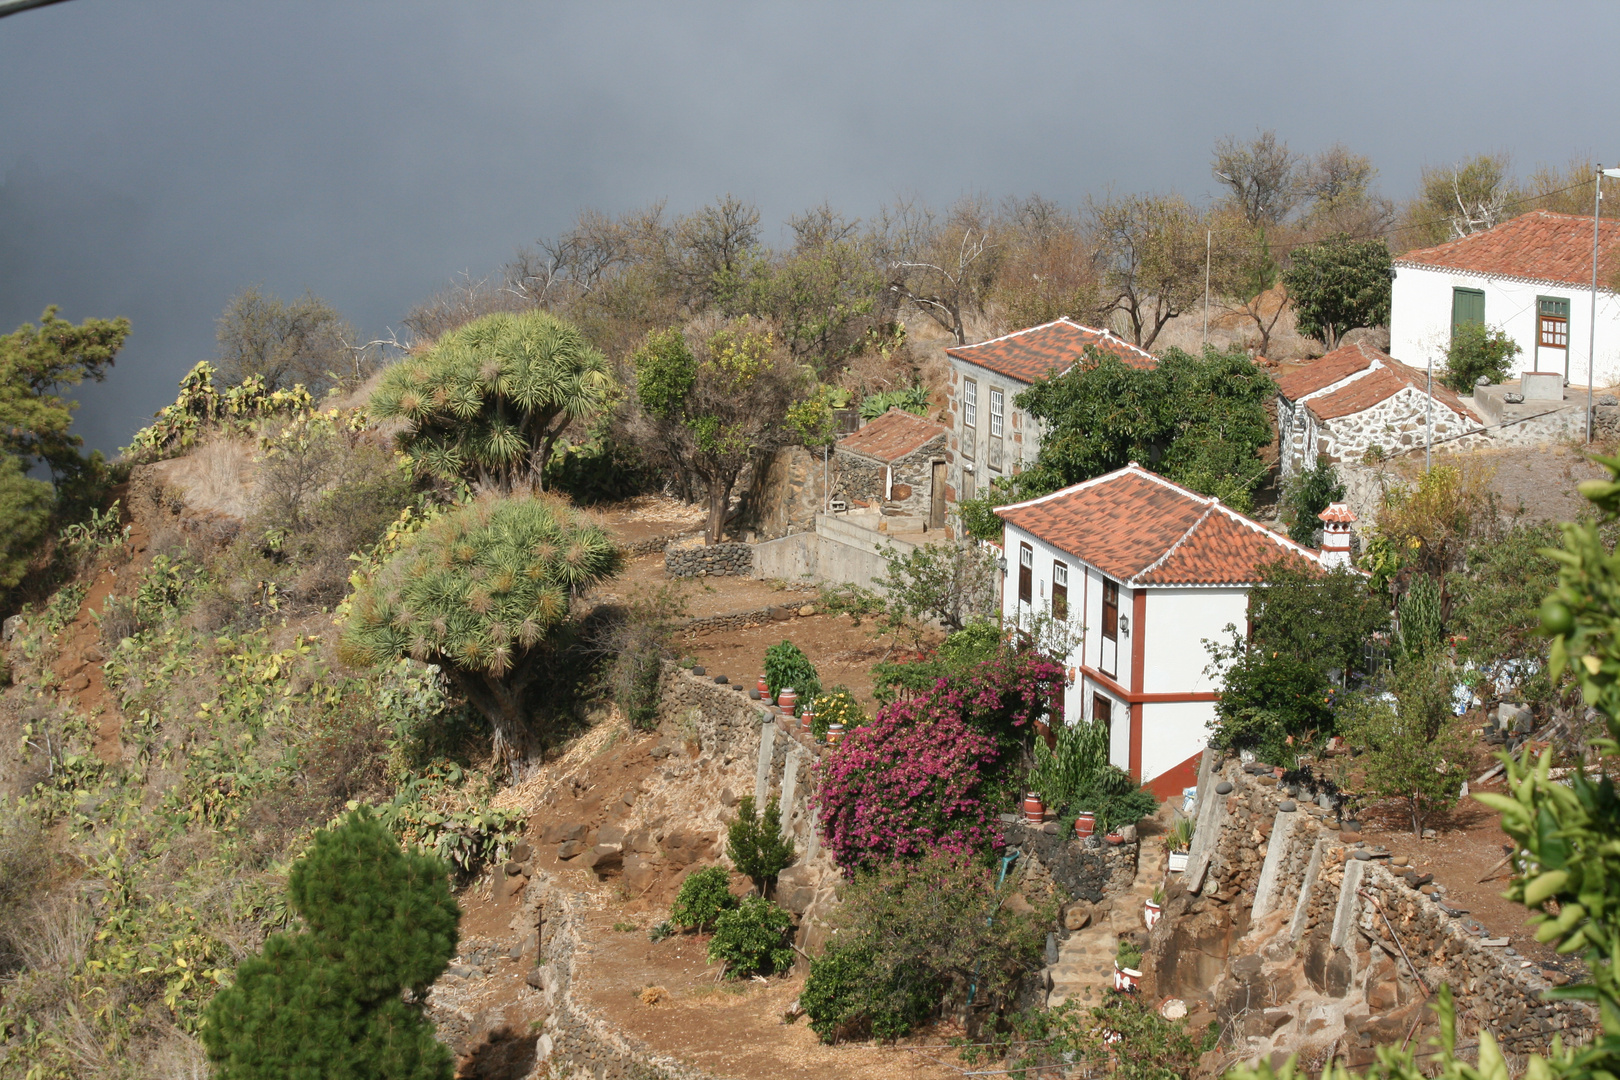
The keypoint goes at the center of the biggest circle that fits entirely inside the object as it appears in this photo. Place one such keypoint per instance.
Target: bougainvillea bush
(931, 773)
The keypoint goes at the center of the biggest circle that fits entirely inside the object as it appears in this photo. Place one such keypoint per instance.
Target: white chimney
(1336, 522)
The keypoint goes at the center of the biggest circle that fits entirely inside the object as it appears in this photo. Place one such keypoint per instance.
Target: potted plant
(1127, 966)
(1176, 844)
(1153, 907)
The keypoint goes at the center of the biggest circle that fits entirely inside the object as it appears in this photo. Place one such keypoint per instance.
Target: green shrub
(756, 844)
(328, 1000)
(787, 666)
(704, 895)
(1419, 612)
(844, 997)
(1307, 495)
(1476, 350)
(754, 938)
(908, 934)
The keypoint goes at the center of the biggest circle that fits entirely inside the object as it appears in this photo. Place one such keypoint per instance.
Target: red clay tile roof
(1338, 513)
(1144, 530)
(1341, 363)
(1049, 349)
(1390, 378)
(1538, 246)
(892, 436)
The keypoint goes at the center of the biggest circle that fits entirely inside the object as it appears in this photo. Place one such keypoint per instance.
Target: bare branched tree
(943, 268)
(1262, 177)
(1151, 252)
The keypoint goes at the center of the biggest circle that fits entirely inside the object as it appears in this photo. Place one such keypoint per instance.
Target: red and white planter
(1034, 808)
(1126, 980)
(1151, 913)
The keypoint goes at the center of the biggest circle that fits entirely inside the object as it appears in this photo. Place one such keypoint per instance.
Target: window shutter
(1467, 306)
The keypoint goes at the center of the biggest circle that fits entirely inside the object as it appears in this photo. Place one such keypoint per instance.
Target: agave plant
(488, 402)
(481, 592)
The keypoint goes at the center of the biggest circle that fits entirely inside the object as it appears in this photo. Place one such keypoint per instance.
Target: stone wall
(1277, 903)
(788, 494)
(1085, 870)
(709, 560)
(858, 479)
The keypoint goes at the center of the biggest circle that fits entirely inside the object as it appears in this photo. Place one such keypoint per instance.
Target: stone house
(897, 463)
(990, 436)
(1356, 398)
(1530, 277)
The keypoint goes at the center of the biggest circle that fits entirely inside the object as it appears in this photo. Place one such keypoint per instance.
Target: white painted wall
(1178, 622)
(1420, 321)
(1172, 732)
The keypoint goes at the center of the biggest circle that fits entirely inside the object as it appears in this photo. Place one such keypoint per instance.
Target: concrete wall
(1420, 321)
(836, 553)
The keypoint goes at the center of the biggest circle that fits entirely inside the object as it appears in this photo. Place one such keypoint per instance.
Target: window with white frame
(997, 408)
(970, 417)
(1060, 591)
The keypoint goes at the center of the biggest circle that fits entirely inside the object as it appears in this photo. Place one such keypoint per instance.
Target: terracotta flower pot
(1151, 913)
(805, 719)
(1085, 823)
(1114, 838)
(764, 688)
(835, 734)
(788, 700)
(1034, 808)
(1126, 980)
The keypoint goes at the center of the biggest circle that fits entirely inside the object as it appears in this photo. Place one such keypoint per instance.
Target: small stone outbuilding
(896, 463)
(1357, 398)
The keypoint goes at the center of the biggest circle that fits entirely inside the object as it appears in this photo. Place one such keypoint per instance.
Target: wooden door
(1102, 712)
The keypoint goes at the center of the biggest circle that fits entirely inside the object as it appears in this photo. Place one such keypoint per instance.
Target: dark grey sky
(158, 155)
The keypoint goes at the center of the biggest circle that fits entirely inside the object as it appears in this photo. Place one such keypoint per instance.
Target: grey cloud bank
(156, 157)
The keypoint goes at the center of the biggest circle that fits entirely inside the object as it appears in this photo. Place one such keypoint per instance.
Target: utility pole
(1591, 331)
(1207, 240)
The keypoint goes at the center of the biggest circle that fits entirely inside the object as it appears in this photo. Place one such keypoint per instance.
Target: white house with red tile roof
(1531, 276)
(1356, 398)
(1144, 571)
(990, 436)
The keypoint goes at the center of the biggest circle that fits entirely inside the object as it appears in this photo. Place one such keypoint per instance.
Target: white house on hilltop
(1147, 571)
(1531, 276)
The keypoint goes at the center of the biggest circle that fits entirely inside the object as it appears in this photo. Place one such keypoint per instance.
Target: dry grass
(219, 475)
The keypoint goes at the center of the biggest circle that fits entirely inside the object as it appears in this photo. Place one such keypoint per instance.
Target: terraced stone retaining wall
(709, 560)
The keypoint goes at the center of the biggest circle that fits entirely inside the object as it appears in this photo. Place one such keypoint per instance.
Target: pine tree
(481, 591)
(329, 1000)
(756, 845)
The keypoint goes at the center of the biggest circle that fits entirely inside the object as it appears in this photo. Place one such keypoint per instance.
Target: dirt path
(729, 1029)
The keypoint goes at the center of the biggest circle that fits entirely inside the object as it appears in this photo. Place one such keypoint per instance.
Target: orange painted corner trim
(1131, 698)
(1136, 741)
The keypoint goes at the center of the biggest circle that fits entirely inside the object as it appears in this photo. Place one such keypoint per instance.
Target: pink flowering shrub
(930, 774)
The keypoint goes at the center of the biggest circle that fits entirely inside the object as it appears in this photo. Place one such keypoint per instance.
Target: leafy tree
(713, 407)
(1325, 618)
(327, 1000)
(1418, 611)
(1310, 493)
(482, 592)
(37, 366)
(1495, 600)
(1200, 421)
(756, 845)
(826, 292)
(1478, 350)
(1339, 284)
(1272, 701)
(1431, 524)
(489, 400)
(1412, 750)
(25, 507)
(753, 938)
(305, 342)
(1337, 186)
(703, 897)
(715, 253)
